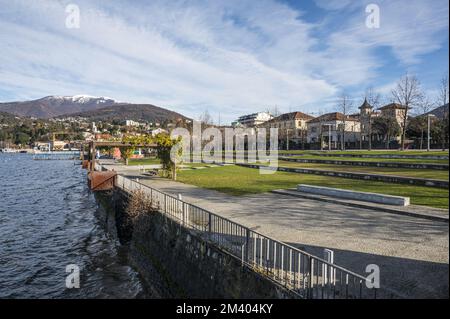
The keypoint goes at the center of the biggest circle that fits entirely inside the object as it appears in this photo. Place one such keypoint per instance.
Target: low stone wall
(431, 157)
(360, 196)
(373, 177)
(372, 164)
(178, 263)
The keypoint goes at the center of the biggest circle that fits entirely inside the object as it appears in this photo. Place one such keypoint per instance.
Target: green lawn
(238, 180)
(144, 161)
(155, 161)
(370, 159)
(408, 172)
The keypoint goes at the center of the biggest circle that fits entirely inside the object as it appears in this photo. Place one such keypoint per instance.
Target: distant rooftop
(335, 116)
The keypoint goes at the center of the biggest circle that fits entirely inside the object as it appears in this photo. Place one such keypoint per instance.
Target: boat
(8, 150)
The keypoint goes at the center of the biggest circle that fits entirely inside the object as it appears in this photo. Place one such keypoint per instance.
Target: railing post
(311, 277)
(209, 223)
(247, 243)
(165, 204)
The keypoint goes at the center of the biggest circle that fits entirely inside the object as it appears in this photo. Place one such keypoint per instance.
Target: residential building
(94, 128)
(57, 145)
(252, 120)
(157, 131)
(394, 110)
(292, 127)
(329, 128)
(366, 116)
(131, 123)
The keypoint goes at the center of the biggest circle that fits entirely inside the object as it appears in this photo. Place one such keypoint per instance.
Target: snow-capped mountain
(51, 106)
(92, 107)
(82, 98)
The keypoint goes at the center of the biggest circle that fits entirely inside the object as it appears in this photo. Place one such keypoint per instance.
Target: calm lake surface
(48, 221)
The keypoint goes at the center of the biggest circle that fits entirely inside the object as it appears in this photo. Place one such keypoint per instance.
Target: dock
(67, 155)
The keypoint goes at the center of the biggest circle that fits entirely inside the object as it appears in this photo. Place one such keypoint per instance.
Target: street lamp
(429, 116)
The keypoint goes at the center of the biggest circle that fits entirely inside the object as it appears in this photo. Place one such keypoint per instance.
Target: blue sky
(228, 57)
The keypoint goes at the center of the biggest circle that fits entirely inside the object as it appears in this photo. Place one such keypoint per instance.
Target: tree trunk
(174, 172)
(404, 128)
(421, 139)
(360, 141)
(126, 161)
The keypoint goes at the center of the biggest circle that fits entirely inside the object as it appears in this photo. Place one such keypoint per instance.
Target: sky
(226, 57)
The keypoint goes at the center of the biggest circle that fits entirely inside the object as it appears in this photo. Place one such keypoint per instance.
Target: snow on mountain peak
(82, 98)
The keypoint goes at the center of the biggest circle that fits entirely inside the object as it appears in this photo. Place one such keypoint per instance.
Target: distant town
(373, 126)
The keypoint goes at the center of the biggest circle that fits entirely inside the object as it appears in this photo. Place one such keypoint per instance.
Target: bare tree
(408, 94)
(206, 119)
(275, 111)
(424, 106)
(443, 98)
(345, 105)
(374, 99)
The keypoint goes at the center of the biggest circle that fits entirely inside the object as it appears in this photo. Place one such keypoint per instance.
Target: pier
(69, 155)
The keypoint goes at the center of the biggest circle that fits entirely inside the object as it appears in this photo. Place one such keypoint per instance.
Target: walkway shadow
(399, 277)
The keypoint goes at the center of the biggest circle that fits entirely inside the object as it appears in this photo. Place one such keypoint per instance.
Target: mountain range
(91, 107)
(440, 112)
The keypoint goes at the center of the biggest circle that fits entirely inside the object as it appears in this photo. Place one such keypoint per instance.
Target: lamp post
(429, 116)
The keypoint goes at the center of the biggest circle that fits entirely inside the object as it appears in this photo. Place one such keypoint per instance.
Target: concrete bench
(348, 194)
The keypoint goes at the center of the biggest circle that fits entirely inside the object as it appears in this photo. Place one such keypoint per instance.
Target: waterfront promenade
(411, 252)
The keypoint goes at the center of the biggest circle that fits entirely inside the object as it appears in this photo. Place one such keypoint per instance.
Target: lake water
(48, 221)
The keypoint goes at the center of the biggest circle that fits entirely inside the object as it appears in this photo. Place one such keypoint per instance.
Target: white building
(158, 131)
(252, 120)
(328, 128)
(94, 128)
(131, 123)
(291, 127)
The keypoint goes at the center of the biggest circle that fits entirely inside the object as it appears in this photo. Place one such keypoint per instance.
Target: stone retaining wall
(372, 164)
(178, 263)
(373, 177)
(431, 157)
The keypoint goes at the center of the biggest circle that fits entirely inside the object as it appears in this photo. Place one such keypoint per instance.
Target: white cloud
(232, 57)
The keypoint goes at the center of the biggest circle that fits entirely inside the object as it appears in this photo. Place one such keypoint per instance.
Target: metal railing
(304, 274)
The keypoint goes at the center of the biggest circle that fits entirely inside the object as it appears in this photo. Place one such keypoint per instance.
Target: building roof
(292, 116)
(365, 105)
(335, 116)
(393, 106)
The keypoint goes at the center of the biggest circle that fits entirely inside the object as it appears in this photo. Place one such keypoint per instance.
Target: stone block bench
(348, 194)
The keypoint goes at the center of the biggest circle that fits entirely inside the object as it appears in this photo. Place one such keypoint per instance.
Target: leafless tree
(408, 94)
(345, 105)
(424, 106)
(275, 111)
(206, 119)
(374, 99)
(443, 98)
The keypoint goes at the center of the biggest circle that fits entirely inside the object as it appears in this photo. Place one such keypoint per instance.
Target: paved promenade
(413, 253)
